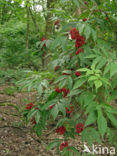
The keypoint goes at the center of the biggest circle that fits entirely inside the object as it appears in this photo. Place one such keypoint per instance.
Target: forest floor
(17, 139)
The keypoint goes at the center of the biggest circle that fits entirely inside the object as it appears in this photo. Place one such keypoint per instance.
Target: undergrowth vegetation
(73, 70)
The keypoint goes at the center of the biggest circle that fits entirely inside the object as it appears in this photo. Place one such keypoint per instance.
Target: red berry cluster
(69, 110)
(61, 130)
(29, 106)
(74, 33)
(64, 90)
(79, 127)
(80, 40)
(63, 145)
(58, 90)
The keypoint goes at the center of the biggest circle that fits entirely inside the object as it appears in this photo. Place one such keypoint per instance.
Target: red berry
(56, 68)
(77, 73)
(58, 90)
(33, 121)
(79, 127)
(84, 19)
(80, 41)
(69, 110)
(50, 107)
(36, 108)
(29, 106)
(65, 91)
(61, 130)
(79, 51)
(74, 33)
(86, 2)
(63, 145)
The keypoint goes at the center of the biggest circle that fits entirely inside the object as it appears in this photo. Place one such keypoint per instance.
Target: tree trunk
(48, 28)
(27, 31)
(50, 6)
(34, 21)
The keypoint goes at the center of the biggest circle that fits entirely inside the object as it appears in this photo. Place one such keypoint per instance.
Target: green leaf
(106, 81)
(83, 69)
(101, 64)
(94, 35)
(54, 111)
(92, 117)
(90, 135)
(73, 149)
(87, 32)
(107, 68)
(92, 78)
(52, 102)
(89, 72)
(62, 108)
(61, 122)
(52, 95)
(112, 118)
(98, 84)
(31, 113)
(90, 56)
(98, 2)
(67, 71)
(77, 3)
(57, 42)
(40, 89)
(51, 145)
(74, 92)
(37, 117)
(109, 108)
(81, 1)
(102, 123)
(79, 82)
(91, 107)
(95, 61)
(70, 82)
(38, 128)
(105, 51)
(30, 87)
(45, 83)
(60, 78)
(76, 116)
(113, 69)
(62, 83)
(81, 27)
